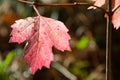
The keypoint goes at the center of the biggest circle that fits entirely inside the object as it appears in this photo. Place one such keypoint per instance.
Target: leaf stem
(36, 10)
(109, 42)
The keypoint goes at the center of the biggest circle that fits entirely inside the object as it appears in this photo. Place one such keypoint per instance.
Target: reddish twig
(65, 4)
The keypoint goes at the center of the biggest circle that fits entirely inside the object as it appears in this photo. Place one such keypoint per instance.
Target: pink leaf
(41, 34)
(22, 30)
(98, 3)
(116, 15)
(116, 19)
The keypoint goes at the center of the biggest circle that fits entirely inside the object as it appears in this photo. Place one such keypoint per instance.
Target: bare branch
(65, 4)
(27, 2)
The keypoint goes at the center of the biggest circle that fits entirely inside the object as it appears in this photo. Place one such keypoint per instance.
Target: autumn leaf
(98, 3)
(116, 14)
(22, 30)
(41, 34)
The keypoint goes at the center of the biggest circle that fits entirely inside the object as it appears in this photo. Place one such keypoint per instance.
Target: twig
(114, 9)
(27, 2)
(65, 4)
(36, 10)
(64, 71)
(109, 41)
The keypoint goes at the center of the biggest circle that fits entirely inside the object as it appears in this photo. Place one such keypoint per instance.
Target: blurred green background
(88, 32)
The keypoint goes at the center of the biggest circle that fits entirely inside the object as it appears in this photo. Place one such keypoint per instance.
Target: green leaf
(1, 1)
(8, 58)
(80, 68)
(4, 64)
(82, 43)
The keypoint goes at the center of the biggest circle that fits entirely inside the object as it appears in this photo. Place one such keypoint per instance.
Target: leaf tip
(116, 27)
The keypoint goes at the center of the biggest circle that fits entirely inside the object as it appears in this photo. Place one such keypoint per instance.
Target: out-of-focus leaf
(1, 66)
(82, 43)
(1, 1)
(8, 59)
(80, 68)
(4, 76)
(4, 64)
(10, 17)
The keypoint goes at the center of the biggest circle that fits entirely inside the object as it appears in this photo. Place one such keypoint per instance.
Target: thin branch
(109, 42)
(27, 2)
(64, 71)
(114, 9)
(65, 4)
(36, 10)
